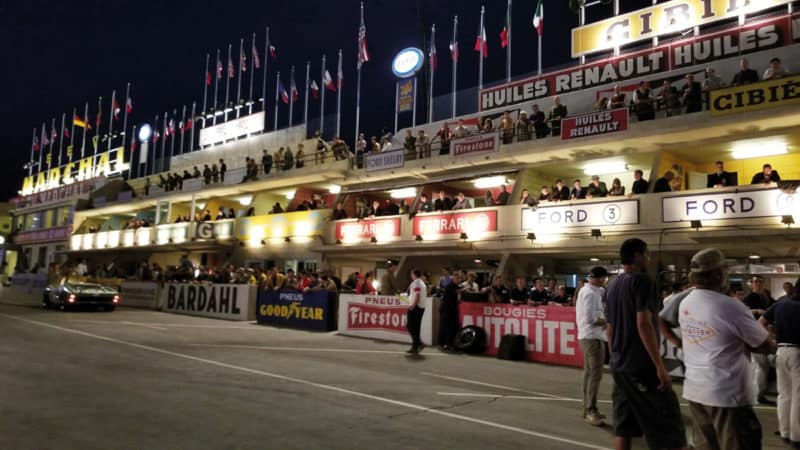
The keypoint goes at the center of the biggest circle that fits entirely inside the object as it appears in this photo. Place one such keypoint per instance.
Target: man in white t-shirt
(718, 333)
(417, 294)
(591, 319)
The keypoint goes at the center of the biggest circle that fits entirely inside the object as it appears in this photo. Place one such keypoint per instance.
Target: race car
(70, 295)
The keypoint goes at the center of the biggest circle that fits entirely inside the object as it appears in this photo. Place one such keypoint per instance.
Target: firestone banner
(475, 145)
(381, 317)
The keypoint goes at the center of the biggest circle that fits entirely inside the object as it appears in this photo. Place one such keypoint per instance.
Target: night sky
(58, 55)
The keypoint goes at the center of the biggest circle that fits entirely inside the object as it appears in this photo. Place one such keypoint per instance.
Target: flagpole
(431, 55)
(125, 117)
(61, 138)
(252, 74)
(305, 101)
(358, 77)
(206, 82)
(454, 57)
(291, 97)
(481, 32)
(33, 145)
(239, 79)
(227, 84)
(192, 118)
(322, 99)
(133, 171)
(339, 96)
(216, 88)
(508, 47)
(396, 105)
(172, 135)
(41, 148)
(98, 124)
(111, 117)
(52, 142)
(183, 128)
(164, 144)
(71, 135)
(264, 78)
(540, 14)
(155, 147)
(277, 94)
(85, 129)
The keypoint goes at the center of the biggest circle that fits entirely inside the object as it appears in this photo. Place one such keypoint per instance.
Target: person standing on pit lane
(591, 320)
(784, 317)
(417, 294)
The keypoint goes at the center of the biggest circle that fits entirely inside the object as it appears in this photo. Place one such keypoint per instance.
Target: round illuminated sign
(145, 131)
(408, 62)
(2, 240)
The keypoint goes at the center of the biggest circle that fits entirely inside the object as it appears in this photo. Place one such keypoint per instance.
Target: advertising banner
(303, 310)
(755, 96)
(385, 160)
(29, 283)
(232, 129)
(355, 230)
(139, 294)
(475, 145)
(595, 123)
(278, 226)
(60, 193)
(623, 212)
(473, 223)
(48, 235)
(218, 301)
(550, 331)
(405, 101)
(380, 317)
(729, 205)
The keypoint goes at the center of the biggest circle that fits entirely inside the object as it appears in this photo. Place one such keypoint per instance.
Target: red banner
(455, 223)
(365, 229)
(592, 124)
(475, 145)
(48, 235)
(551, 332)
(380, 317)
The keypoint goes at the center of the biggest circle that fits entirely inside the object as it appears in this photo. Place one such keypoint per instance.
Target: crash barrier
(218, 301)
(140, 294)
(313, 310)
(384, 317)
(29, 283)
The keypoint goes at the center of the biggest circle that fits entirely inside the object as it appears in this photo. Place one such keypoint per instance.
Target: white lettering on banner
(478, 222)
(232, 129)
(625, 212)
(290, 296)
(383, 161)
(380, 317)
(729, 205)
(542, 336)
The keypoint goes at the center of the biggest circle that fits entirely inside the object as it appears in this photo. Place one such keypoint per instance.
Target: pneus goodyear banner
(381, 317)
(593, 124)
(304, 310)
(218, 301)
(551, 335)
(756, 96)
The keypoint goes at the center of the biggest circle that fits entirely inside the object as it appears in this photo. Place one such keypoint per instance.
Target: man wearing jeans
(417, 294)
(591, 338)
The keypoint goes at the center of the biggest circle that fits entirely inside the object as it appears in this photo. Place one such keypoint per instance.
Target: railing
(165, 234)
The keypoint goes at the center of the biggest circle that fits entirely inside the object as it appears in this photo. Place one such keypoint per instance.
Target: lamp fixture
(787, 220)
(759, 148)
(373, 240)
(596, 233)
(754, 256)
(335, 189)
(287, 239)
(477, 261)
(594, 259)
(696, 224)
(531, 237)
(403, 193)
(419, 238)
(290, 194)
(463, 236)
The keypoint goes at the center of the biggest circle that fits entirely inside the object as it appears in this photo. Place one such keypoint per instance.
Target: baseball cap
(595, 177)
(598, 272)
(707, 259)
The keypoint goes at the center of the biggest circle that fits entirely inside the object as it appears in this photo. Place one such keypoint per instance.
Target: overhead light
(403, 193)
(489, 182)
(786, 220)
(419, 238)
(463, 236)
(754, 256)
(696, 224)
(605, 167)
(290, 194)
(244, 200)
(758, 148)
(593, 259)
(145, 131)
(477, 261)
(373, 239)
(335, 189)
(531, 237)
(596, 233)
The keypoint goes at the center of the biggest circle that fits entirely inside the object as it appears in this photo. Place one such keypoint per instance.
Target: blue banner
(306, 311)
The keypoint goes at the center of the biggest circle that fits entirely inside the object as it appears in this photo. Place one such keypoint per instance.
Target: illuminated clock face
(408, 62)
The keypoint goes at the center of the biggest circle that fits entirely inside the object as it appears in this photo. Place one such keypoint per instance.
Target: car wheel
(62, 306)
(46, 301)
(108, 308)
(471, 339)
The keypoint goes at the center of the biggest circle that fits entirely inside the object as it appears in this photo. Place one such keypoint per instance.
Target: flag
(79, 122)
(243, 62)
(116, 109)
(129, 102)
(53, 135)
(454, 51)
(328, 82)
(284, 94)
(133, 145)
(295, 94)
(363, 53)
(340, 77)
(538, 18)
(189, 124)
(432, 55)
(171, 127)
(45, 142)
(94, 142)
(314, 89)
(35, 144)
(256, 59)
(219, 69)
(156, 136)
(66, 132)
(99, 119)
(69, 152)
(480, 43)
(504, 35)
(231, 71)
(273, 52)
(208, 78)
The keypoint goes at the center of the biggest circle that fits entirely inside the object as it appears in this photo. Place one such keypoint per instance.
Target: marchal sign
(107, 163)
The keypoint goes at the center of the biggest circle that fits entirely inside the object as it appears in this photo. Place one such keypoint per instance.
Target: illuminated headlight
(116, 299)
(71, 298)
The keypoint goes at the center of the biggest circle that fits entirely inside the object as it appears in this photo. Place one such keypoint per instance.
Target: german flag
(78, 122)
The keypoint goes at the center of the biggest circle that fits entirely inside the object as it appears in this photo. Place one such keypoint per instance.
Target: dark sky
(58, 55)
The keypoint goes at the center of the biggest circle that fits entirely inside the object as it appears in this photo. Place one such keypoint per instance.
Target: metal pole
(430, 88)
(30, 163)
(539, 56)
(111, 118)
(61, 138)
(72, 133)
(155, 145)
(582, 18)
(239, 78)
(172, 135)
(133, 172)
(396, 105)
(191, 135)
(291, 97)
(264, 78)
(85, 129)
(414, 107)
(125, 117)
(252, 73)
(508, 47)
(227, 84)
(217, 74)
(183, 128)
(98, 124)
(339, 76)
(164, 144)
(41, 147)
(322, 89)
(454, 57)
(52, 143)
(480, 58)
(305, 99)
(206, 82)
(277, 94)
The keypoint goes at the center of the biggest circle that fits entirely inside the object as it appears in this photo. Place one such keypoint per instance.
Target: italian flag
(538, 18)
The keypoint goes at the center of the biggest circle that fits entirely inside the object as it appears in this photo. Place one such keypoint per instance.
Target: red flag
(256, 59)
(66, 132)
(284, 94)
(432, 55)
(504, 35)
(129, 105)
(99, 119)
(171, 126)
(295, 94)
(243, 62)
(363, 53)
(208, 78)
(35, 144)
(156, 136)
(273, 52)
(189, 124)
(133, 145)
(53, 135)
(481, 45)
(45, 142)
(314, 89)
(116, 109)
(454, 51)
(328, 82)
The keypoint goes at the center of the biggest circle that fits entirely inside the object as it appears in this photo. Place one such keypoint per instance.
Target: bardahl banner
(304, 310)
(756, 96)
(385, 160)
(354, 230)
(664, 18)
(218, 301)
(592, 124)
(551, 334)
(232, 129)
(380, 317)
(580, 214)
(106, 163)
(474, 223)
(684, 53)
(480, 144)
(734, 204)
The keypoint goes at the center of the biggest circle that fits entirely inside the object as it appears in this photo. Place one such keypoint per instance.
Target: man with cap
(718, 333)
(784, 317)
(591, 320)
(596, 188)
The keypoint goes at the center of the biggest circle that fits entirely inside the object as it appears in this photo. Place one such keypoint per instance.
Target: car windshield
(86, 288)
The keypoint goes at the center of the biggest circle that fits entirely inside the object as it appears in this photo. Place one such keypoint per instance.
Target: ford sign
(408, 62)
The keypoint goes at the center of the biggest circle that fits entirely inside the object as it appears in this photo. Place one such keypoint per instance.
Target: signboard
(140, 294)
(385, 160)
(381, 317)
(232, 129)
(61, 193)
(218, 301)
(407, 62)
(595, 123)
(755, 96)
(729, 205)
(665, 18)
(306, 311)
(29, 283)
(405, 96)
(473, 223)
(303, 224)
(479, 144)
(692, 51)
(600, 214)
(551, 334)
(356, 230)
(206, 231)
(48, 235)
(106, 163)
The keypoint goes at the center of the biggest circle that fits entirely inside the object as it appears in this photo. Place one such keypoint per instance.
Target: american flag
(363, 53)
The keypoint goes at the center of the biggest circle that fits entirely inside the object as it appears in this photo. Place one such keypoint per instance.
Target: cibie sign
(408, 62)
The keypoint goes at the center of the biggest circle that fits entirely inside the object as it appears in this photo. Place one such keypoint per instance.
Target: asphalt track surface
(135, 379)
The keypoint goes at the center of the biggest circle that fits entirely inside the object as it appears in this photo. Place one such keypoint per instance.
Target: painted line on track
(321, 386)
(311, 349)
(499, 386)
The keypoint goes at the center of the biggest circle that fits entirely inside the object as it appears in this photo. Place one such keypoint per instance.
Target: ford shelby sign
(729, 205)
(220, 301)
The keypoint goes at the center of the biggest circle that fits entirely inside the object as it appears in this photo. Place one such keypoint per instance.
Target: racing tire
(62, 306)
(471, 340)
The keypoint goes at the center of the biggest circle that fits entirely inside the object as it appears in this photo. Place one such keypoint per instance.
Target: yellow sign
(664, 18)
(298, 225)
(107, 163)
(755, 96)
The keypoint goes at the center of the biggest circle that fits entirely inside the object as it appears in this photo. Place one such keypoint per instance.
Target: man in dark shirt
(767, 175)
(339, 213)
(499, 291)
(503, 196)
(539, 124)
(560, 192)
(758, 300)
(596, 188)
(448, 313)
(578, 192)
(424, 204)
(519, 293)
(539, 295)
(746, 75)
(692, 94)
(222, 169)
(663, 183)
(443, 203)
(266, 162)
(720, 178)
(640, 185)
(643, 399)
